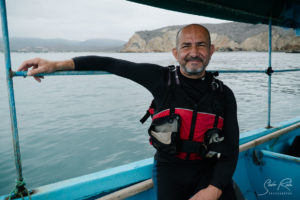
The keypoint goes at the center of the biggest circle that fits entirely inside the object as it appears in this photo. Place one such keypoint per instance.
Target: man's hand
(209, 193)
(39, 66)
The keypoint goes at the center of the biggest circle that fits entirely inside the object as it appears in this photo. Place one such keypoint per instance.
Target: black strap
(194, 118)
(193, 147)
(193, 123)
(216, 84)
(216, 121)
(224, 149)
(148, 114)
(173, 82)
(173, 73)
(145, 117)
(201, 149)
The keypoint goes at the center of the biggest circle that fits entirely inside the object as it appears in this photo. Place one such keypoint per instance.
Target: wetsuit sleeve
(225, 167)
(141, 73)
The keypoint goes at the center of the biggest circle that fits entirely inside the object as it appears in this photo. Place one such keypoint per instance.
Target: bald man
(194, 116)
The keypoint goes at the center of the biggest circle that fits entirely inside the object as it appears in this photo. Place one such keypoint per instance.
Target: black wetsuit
(175, 178)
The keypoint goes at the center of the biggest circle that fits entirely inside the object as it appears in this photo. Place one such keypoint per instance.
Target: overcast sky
(88, 19)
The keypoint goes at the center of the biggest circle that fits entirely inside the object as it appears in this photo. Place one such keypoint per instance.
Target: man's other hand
(209, 193)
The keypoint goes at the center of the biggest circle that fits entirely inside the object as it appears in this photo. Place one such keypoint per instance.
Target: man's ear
(174, 51)
(212, 49)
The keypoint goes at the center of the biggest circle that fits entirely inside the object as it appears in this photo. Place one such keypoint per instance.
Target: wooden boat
(266, 169)
(262, 166)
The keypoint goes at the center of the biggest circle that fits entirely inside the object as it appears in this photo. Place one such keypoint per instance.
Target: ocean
(74, 125)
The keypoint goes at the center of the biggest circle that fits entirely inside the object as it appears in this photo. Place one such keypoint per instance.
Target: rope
(20, 191)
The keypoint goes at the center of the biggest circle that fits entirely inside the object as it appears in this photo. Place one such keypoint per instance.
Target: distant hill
(63, 45)
(231, 36)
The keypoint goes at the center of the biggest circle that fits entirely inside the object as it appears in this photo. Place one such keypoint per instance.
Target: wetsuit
(176, 178)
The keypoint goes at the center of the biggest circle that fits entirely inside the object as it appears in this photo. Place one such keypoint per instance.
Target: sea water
(74, 125)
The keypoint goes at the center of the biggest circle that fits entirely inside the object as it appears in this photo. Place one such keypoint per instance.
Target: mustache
(196, 58)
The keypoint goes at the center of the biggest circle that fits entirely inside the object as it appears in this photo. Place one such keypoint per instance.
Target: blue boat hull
(263, 172)
(266, 171)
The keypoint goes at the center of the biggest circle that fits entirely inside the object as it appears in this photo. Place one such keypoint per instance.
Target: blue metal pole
(286, 70)
(269, 73)
(11, 97)
(63, 73)
(71, 73)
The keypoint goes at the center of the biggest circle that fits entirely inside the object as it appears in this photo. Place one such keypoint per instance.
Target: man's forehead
(197, 27)
(193, 37)
(194, 31)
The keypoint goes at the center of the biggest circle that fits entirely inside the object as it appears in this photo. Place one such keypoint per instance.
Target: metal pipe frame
(270, 74)
(10, 89)
(72, 73)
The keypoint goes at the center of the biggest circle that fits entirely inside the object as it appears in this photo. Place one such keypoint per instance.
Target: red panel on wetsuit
(161, 114)
(204, 121)
(186, 119)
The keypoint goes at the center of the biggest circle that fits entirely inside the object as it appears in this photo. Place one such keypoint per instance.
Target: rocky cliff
(226, 37)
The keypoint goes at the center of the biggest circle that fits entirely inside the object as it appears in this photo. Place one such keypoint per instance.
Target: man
(194, 126)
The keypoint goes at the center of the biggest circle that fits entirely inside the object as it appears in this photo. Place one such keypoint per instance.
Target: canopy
(285, 13)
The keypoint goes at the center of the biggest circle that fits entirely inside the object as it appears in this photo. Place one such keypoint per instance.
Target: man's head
(193, 50)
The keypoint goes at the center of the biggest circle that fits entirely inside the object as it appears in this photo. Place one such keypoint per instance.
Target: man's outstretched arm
(144, 74)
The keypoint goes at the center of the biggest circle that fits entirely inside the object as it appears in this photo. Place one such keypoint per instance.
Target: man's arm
(224, 168)
(148, 75)
(145, 74)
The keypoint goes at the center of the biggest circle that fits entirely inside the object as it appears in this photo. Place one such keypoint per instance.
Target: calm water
(75, 125)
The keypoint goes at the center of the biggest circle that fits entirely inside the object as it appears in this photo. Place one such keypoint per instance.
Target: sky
(90, 19)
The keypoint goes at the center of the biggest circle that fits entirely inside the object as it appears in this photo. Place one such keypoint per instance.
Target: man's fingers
(23, 67)
(37, 78)
(28, 63)
(35, 71)
(38, 66)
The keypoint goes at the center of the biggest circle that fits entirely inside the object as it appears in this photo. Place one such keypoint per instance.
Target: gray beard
(193, 72)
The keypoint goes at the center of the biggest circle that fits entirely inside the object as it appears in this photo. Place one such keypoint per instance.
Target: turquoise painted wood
(95, 184)
(255, 175)
(261, 169)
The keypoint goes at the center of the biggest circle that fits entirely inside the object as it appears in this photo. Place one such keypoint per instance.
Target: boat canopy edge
(284, 13)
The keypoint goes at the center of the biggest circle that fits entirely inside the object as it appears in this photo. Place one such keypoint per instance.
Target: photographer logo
(282, 187)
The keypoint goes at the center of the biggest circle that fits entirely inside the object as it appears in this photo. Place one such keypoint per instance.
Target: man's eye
(202, 45)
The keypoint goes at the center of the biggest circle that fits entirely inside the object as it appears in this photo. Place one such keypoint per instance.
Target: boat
(266, 167)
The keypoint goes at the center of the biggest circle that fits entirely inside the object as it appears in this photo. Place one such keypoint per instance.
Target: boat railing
(20, 189)
(65, 73)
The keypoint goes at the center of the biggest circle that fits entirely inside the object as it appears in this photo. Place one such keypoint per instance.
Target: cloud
(81, 20)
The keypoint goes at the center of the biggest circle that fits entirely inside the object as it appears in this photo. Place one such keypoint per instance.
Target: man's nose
(194, 51)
